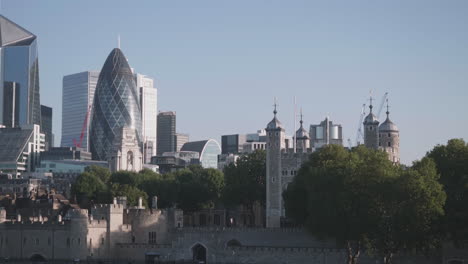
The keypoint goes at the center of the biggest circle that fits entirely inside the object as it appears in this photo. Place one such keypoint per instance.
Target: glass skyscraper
(149, 114)
(19, 69)
(77, 98)
(166, 132)
(116, 105)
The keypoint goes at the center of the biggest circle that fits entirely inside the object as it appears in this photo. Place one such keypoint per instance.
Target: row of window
(291, 172)
(36, 241)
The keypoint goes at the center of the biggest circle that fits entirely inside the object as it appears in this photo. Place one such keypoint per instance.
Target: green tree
(102, 173)
(164, 187)
(245, 180)
(131, 192)
(198, 188)
(362, 200)
(89, 188)
(452, 165)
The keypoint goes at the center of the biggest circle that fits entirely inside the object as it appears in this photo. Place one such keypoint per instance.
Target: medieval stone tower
(389, 139)
(302, 138)
(385, 137)
(275, 145)
(371, 126)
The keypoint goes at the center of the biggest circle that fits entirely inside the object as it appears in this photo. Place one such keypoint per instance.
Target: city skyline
(413, 51)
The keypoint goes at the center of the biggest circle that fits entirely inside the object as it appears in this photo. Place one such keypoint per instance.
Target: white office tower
(149, 114)
(77, 99)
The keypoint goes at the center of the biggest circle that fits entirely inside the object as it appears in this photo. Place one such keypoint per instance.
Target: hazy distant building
(46, 126)
(325, 133)
(166, 135)
(20, 148)
(232, 144)
(77, 99)
(180, 140)
(19, 75)
(149, 114)
(173, 161)
(116, 106)
(65, 153)
(208, 151)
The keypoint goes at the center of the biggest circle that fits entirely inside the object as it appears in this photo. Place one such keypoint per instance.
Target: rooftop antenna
(388, 109)
(275, 105)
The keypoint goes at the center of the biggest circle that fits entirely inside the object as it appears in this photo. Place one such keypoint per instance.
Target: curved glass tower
(19, 76)
(116, 105)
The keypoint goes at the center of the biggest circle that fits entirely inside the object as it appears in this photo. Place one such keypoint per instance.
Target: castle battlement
(286, 249)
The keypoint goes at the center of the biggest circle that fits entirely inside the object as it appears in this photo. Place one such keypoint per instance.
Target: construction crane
(85, 125)
(384, 98)
(359, 134)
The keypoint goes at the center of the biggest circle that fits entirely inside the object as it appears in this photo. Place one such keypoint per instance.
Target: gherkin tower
(116, 105)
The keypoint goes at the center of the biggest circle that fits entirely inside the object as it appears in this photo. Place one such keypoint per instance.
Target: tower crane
(359, 134)
(384, 98)
(85, 125)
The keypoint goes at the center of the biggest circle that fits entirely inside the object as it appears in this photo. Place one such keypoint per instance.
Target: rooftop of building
(11, 34)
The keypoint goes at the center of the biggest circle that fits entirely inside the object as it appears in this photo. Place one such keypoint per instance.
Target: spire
(275, 105)
(388, 111)
(370, 105)
(301, 118)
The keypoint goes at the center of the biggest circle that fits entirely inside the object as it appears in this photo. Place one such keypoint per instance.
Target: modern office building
(149, 114)
(208, 151)
(20, 148)
(77, 100)
(173, 161)
(116, 106)
(232, 144)
(325, 133)
(180, 140)
(19, 69)
(65, 153)
(46, 126)
(166, 132)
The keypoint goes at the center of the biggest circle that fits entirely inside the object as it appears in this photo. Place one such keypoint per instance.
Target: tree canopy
(245, 180)
(362, 200)
(452, 164)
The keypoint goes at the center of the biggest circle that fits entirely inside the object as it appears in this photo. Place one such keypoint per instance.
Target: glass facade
(208, 149)
(77, 97)
(46, 126)
(166, 137)
(149, 114)
(116, 105)
(19, 64)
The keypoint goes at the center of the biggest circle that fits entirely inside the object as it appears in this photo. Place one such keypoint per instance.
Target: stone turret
(371, 127)
(275, 145)
(389, 139)
(302, 138)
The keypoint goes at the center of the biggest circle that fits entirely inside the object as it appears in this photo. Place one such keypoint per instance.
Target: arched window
(130, 160)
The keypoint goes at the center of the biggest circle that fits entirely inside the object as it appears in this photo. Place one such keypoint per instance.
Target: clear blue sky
(219, 64)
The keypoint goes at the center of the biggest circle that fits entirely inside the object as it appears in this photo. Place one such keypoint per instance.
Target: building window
(68, 242)
(79, 241)
(217, 220)
(202, 220)
(388, 144)
(37, 241)
(102, 241)
(90, 242)
(152, 238)
(389, 135)
(371, 128)
(273, 179)
(133, 239)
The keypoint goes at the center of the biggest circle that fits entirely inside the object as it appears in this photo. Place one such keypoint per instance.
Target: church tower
(389, 139)
(302, 138)
(371, 127)
(275, 145)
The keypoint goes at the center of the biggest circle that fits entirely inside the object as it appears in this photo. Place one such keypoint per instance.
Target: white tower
(302, 138)
(275, 145)
(371, 126)
(389, 139)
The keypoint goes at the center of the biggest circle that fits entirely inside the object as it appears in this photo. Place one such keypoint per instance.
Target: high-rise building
(149, 114)
(325, 133)
(77, 99)
(19, 69)
(46, 126)
(180, 140)
(116, 111)
(166, 132)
